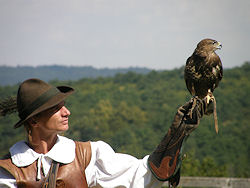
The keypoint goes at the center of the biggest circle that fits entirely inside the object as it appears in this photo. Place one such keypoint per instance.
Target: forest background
(133, 111)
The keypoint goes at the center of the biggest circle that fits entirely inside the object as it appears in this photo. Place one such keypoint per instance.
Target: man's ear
(33, 122)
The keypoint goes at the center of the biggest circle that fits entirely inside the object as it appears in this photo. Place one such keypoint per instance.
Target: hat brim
(65, 91)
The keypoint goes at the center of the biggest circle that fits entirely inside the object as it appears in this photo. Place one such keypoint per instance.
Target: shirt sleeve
(110, 169)
(6, 179)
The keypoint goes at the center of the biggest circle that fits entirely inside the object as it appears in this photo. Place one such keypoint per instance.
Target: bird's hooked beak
(219, 45)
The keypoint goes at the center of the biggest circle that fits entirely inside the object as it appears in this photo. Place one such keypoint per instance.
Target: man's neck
(42, 144)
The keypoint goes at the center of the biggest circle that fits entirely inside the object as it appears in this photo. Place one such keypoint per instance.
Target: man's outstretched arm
(165, 161)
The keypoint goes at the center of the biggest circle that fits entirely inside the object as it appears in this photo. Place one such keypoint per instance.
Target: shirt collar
(63, 152)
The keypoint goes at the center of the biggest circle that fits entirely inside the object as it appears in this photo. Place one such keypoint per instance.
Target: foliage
(206, 167)
(132, 112)
(13, 75)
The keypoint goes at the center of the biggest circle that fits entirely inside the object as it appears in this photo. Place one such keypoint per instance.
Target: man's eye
(56, 108)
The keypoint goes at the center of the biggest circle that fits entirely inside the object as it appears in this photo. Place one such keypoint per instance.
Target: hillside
(132, 112)
(14, 75)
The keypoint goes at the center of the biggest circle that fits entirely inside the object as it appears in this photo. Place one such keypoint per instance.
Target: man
(49, 160)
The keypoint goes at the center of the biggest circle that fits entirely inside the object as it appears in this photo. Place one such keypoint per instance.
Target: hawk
(204, 71)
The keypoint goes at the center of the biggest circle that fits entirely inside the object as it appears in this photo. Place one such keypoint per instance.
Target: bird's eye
(214, 42)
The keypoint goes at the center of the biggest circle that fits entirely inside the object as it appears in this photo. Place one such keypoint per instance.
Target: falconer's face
(54, 120)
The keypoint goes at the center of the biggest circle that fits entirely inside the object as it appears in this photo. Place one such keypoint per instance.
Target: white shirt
(106, 168)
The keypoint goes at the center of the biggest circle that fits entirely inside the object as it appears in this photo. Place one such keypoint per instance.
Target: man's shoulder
(83, 152)
(5, 160)
(6, 156)
(83, 144)
(6, 165)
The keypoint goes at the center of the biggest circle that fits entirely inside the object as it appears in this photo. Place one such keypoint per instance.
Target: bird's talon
(209, 97)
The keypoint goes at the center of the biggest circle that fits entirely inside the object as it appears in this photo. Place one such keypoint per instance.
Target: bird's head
(208, 45)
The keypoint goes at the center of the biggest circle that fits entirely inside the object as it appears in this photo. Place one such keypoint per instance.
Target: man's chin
(63, 129)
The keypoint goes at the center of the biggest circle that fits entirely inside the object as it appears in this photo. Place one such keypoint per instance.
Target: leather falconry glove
(165, 161)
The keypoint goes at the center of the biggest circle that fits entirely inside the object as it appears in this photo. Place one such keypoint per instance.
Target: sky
(156, 34)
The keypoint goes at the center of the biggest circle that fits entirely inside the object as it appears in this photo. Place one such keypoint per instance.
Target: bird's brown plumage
(204, 71)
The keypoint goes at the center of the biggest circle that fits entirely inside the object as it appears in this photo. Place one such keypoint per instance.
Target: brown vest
(70, 175)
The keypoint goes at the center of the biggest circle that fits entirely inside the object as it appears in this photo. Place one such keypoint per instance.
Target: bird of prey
(204, 71)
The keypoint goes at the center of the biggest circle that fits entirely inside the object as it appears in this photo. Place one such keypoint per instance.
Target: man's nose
(65, 111)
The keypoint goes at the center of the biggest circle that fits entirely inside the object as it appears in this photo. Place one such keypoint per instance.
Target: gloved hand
(165, 161)
(192, 112)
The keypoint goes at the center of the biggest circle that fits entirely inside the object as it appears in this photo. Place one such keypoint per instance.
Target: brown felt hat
(35, 96)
